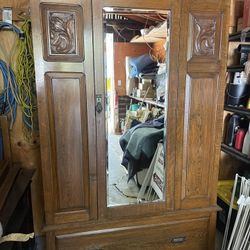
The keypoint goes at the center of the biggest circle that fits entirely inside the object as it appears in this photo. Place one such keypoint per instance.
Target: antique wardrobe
(70, 81)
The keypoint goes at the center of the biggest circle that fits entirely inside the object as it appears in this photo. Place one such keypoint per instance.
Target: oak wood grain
(66, 129)
(199, 126)
(193, 233)
(66, 93)
(4, 125)
(195, 85)
(205, 120)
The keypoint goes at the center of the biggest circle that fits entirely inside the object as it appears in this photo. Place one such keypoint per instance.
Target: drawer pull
(177, 240)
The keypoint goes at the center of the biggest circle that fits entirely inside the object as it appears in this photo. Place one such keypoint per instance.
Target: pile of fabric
(142, 66)
(139, 144)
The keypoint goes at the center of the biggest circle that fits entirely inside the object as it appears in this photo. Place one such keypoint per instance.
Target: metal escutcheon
(98, 106)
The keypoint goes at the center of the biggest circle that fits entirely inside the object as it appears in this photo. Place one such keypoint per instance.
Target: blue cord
(4, 25)
(7, 100)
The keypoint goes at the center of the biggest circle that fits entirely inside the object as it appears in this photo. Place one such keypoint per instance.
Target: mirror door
(132, 63)
(136, 43)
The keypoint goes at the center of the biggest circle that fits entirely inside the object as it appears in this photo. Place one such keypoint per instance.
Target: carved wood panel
(66, 98)
(204, 31)
(202, 69)
(199, 135)
(63, 35)
(204, 36)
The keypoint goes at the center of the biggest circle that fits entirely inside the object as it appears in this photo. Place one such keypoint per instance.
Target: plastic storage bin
(237, 94)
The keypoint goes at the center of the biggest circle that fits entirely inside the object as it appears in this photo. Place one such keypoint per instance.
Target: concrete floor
(120, 192)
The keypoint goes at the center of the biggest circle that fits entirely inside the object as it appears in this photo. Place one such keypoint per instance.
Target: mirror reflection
(136, 71)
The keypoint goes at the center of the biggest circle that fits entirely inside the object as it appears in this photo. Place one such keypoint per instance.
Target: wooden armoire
(69, 63)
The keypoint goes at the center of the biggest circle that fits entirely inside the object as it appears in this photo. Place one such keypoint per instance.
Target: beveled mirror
(136, 43)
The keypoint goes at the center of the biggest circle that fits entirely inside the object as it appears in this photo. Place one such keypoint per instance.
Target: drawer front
(191, 235)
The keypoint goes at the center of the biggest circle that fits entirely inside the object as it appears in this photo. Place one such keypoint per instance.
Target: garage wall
(25, 152)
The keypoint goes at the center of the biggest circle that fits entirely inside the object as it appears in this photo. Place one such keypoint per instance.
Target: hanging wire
(22, 88)
(151, 49)
(25, 75)
(8, 103)
(10, 89)
(128, 28)
(162, 18)
(118, 33)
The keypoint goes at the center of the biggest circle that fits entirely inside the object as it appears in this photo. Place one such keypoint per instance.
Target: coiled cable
(8, 103)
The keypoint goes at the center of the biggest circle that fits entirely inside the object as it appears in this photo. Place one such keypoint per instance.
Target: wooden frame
(194, 77)
(200, 66)
(65, 67)
(149, 208)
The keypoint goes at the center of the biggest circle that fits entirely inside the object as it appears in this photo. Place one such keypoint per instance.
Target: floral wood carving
(62, 30)
(204, 36)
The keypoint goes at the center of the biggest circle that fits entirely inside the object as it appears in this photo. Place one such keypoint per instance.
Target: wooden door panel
(66, 105)
(68, 130)
(199, 125)
(200, 102)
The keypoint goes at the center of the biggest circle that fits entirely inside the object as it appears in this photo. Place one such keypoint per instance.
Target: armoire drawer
(191, 235)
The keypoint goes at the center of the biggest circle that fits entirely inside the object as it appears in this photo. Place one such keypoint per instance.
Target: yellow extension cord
(25, 74)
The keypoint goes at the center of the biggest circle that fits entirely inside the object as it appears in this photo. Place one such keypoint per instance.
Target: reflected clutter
(136, 67)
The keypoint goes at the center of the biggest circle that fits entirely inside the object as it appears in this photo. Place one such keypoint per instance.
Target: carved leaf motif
(62, 32)
(204, 36)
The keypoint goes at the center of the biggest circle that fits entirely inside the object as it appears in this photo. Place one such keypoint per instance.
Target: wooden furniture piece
(6, 138)
(15, 193)
(15, 203)
(68, 48)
